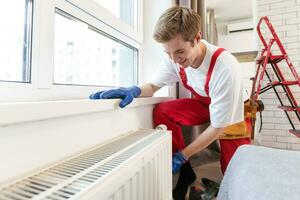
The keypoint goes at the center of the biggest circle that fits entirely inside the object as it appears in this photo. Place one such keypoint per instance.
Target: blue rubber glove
(178, 159)
(126, 94)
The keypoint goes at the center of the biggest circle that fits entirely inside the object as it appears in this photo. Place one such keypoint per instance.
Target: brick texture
(285, 17)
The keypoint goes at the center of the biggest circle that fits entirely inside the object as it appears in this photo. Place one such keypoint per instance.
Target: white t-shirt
(225, 86)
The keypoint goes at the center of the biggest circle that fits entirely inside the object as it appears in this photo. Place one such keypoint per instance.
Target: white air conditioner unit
(239, 27)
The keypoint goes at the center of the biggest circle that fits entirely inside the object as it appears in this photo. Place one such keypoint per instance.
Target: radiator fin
(72, 177)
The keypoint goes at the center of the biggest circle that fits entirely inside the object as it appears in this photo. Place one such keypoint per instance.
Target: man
(210, 73)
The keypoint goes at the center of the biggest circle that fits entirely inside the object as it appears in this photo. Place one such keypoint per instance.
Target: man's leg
(178, 113)
(174, 114)
(228, 148)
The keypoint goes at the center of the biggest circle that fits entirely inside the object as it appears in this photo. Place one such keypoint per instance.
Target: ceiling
(230, 10)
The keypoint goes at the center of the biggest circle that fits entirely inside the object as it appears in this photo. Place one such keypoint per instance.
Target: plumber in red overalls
(210, 73)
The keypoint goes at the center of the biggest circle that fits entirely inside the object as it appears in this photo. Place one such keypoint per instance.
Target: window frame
(41, 87)
(27, 50)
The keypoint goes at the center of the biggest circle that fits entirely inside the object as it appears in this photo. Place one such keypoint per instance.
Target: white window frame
(41, 87)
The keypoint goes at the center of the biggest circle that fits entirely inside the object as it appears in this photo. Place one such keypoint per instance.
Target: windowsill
(19, 112)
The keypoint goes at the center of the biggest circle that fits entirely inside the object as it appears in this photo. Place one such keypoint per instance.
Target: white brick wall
(285, 17)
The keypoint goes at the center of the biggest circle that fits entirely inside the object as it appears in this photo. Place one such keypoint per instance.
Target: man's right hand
(178, 160)
(126, 94)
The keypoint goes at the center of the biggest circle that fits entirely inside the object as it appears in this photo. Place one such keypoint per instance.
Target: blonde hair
(177, 20)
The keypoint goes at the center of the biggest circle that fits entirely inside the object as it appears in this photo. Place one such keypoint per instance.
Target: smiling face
(178, 29)
(182, 52)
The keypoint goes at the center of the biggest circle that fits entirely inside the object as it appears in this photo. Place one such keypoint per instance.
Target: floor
(205, 165)
(211, 171)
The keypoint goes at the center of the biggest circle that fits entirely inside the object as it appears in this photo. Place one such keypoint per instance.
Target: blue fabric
(178, 160)
(126, 94)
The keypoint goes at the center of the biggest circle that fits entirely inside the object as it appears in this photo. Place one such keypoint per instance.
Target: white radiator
(133, 167)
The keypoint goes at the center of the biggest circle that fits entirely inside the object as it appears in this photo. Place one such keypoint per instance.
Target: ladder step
(272, 59)
(275, 83)
(289, 108)
(295, 132)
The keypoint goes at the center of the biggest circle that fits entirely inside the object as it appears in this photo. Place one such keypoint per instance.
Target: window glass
(126, 10)
(87, 56)
(15, 40)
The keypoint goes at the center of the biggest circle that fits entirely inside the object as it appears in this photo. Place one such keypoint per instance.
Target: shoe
(212, 188)
(186, 177)
(208, 183)
(196, 193)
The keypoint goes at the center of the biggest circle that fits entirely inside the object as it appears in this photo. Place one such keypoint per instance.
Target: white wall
(34, 135)
(29, 142)
(236, 42)
(240, 42)
(247, 70)
(284, 15)
(152, 51)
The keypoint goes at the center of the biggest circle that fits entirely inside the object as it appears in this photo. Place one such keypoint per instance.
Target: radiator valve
(161, 127)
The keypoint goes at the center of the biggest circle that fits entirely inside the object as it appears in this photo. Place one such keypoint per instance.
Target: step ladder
(267, 58)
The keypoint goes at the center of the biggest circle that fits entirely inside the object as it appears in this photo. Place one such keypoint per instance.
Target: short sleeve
(166, 74)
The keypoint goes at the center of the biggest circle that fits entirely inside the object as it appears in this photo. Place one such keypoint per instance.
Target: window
(67, 49)
(125, 10)
(85, 55)
(15, 40)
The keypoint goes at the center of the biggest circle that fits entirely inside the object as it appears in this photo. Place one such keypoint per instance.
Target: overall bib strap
(211, 67)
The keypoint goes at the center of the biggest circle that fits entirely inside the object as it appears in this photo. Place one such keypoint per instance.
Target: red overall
(193, 111)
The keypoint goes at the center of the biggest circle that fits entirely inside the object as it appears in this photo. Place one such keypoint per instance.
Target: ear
(198, 36)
